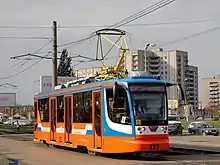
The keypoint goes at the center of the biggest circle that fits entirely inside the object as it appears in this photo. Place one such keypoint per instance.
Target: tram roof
(140, 79)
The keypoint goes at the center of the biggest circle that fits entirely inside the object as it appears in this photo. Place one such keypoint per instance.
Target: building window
(44, 109)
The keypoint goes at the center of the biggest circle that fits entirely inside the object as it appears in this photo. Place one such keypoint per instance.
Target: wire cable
(25, 38)
(144, 12)
(24, 27)
(41, 48)
(100, 26)
(78, 41)
(136, 14)
(192, 36)
(18, 73)
(129, 19)
(37, 51)
(141, 24)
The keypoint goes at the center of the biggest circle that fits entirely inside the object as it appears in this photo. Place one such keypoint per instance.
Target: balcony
(213, 90)
(154, 71)
(154, 66)
(154, 62)
(213, 85)
(214, 97)
(214, 94)
(214, 101)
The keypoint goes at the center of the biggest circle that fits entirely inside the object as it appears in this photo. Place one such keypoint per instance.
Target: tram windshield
(149, 103)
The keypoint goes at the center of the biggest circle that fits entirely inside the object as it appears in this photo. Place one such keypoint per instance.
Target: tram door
(53, 119)
(35, 120)
(97, 122)
(68, 117)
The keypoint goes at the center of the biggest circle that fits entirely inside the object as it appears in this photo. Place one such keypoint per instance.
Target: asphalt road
(21, 147)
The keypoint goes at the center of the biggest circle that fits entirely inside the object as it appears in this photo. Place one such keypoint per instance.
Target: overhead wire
(22, 71)
(24, 38)
(142, 13)
(129, 19)
(24, 27)
(139, 24)
(192, 36)
(18, 73)
(78, 41)
(148, 10)
(37, 51)
(171, 42)
(99, 26)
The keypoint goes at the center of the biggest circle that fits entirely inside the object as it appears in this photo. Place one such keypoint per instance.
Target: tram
(125, 115)
(112, 112)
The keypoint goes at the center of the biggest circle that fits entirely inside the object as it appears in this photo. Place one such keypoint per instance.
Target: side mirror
(115, 92)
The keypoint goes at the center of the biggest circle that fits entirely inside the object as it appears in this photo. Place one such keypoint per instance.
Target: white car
(173, 119)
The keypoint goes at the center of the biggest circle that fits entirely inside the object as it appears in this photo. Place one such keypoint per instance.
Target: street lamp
(149, 45)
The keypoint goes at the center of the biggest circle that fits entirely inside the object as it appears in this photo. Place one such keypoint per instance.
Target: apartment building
(84, 72)
(211, 92)
(192, 86)
(171, 65)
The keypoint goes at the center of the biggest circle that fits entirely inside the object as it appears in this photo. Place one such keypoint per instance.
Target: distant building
(171, 65)
(211, 92)
(192, 86)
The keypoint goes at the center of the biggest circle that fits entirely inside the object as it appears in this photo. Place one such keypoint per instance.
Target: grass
(28, 128)
(185, 123)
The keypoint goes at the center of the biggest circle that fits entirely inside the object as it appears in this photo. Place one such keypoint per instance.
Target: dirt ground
(21, 147)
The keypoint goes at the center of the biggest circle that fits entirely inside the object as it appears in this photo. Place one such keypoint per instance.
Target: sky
(203, 50)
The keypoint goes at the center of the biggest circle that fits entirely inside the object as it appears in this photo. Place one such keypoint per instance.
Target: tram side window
(44, 109)
(60, 109)
(120, 111)
(82, 110)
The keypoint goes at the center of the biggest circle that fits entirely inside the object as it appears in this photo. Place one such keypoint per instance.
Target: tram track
(175, 156)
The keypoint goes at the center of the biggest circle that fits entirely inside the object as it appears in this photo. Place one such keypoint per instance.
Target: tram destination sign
(143, 88)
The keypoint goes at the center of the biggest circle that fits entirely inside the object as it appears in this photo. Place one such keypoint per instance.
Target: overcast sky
(203, 50)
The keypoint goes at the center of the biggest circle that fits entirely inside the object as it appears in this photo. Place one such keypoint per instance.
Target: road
(211, 143)
(21, 147)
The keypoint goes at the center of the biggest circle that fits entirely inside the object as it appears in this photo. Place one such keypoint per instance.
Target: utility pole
(54, 58)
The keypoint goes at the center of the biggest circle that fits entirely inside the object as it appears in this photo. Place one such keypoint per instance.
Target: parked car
(175, 129)
(174, 118)
(202, 128)
(175, 125)
(22, 122)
